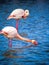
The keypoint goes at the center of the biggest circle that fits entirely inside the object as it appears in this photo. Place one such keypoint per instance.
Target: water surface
(36, 26)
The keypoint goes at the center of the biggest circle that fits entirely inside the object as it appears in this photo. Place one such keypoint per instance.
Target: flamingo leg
(10, 43)
(17, 25)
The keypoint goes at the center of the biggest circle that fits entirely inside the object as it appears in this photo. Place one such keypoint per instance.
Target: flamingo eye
(26, 12)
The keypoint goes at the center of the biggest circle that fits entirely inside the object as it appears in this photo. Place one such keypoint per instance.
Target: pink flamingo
(18, 14)
(11, 32)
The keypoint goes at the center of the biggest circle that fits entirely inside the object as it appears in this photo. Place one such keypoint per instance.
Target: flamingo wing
(10, 30)
(18, 13)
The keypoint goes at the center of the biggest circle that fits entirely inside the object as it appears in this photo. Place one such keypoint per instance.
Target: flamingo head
(34, 42)
(26, 14)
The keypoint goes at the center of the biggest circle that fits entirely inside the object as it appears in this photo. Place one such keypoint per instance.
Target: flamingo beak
(34, 42)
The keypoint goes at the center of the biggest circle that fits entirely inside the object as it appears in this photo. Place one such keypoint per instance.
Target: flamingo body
(11, 32)
(18, 14)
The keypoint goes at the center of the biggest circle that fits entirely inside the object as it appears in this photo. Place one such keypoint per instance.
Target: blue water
(36, 26)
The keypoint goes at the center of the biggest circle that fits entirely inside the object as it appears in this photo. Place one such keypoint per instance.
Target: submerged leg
(17, 24)
(10, 43)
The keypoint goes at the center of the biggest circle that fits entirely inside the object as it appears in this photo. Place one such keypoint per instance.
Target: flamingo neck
(22, 38)
(26, 39)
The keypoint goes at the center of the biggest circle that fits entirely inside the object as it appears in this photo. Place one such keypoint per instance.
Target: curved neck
(22, 38)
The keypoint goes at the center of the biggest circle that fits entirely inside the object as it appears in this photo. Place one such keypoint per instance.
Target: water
(36, 26)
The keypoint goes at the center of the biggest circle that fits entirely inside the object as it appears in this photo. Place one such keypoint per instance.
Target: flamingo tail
(1, 32)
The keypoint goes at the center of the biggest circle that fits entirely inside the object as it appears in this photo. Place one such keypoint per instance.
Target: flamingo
(11, 32)
(18, 14)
